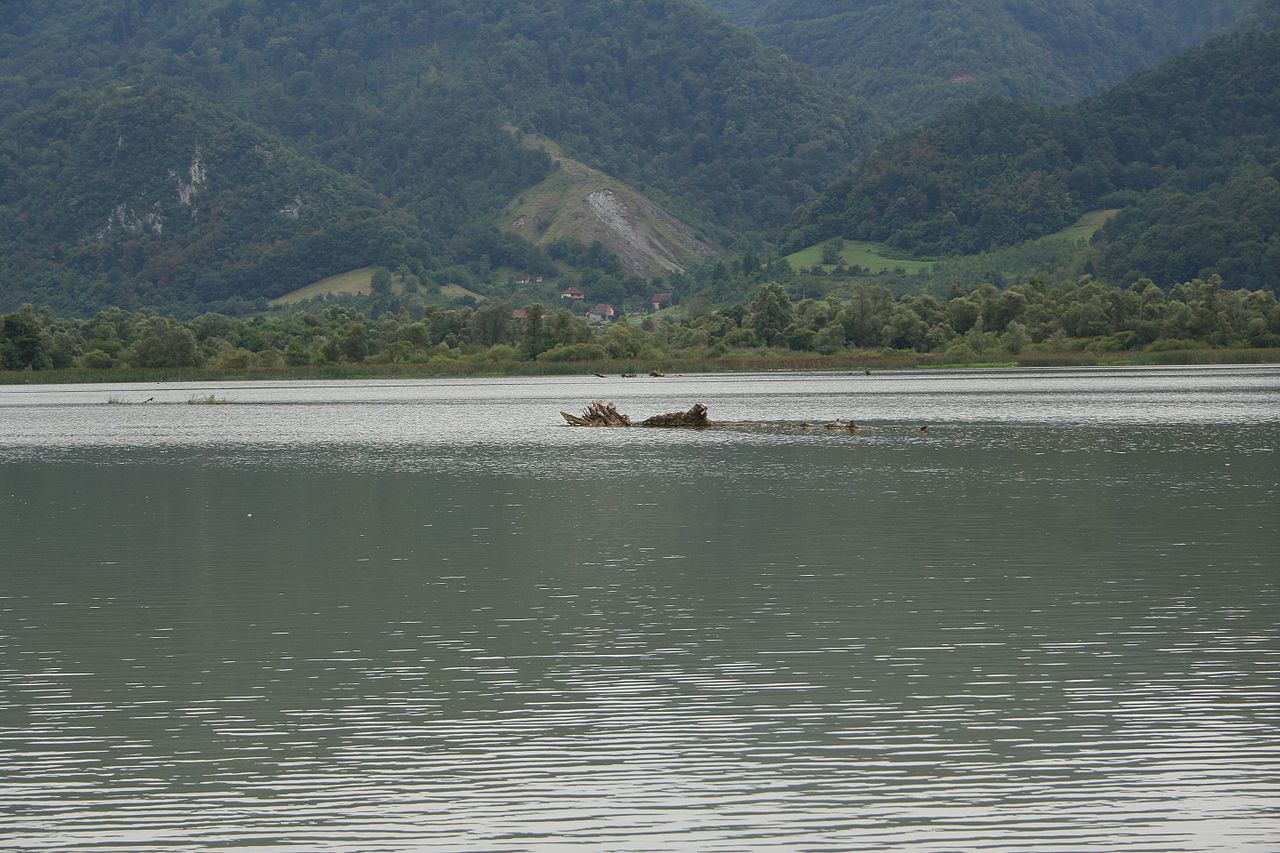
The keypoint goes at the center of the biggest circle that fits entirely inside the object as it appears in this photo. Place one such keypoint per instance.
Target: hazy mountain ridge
(914, 59)
(1191, 150)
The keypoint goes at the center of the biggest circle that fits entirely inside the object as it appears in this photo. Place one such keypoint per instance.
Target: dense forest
(914, 59)
(194, 157)
(1029, 317)
(92, 219)
(403, 93)
(1190, 153)
(399, 122)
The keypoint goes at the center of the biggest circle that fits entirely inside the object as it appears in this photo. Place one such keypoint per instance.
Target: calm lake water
(400, 616)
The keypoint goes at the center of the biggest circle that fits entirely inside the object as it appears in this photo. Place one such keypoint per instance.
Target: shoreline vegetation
(1029, 324)
(852, 362)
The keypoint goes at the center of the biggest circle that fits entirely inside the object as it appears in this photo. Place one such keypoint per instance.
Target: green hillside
(406, 105)
(1190, 151)
(578, 203)
(914, 59)
(188, 155)
(162, 199)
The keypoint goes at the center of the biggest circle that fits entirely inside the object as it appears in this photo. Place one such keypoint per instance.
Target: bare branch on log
(598, 414)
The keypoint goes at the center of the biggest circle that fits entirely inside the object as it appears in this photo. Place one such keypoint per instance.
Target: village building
(660, 301)
(572, 293)
(601, 314)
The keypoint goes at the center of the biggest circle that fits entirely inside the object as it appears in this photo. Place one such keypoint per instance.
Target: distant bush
(960, 353)
(97, 360)
(236, 359)
(498, 353)
(574, 352)
(742, 338)
(1119, 342)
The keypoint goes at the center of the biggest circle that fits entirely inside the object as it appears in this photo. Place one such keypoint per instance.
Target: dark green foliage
(397, 123)
(916, 58)
(23, 342)
(164, 199)
(1193, 148)
(1029, 316)
(771, 313)
(164, 343)
(1232, 229)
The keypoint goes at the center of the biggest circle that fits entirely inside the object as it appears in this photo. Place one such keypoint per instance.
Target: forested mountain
(1190, 151)
(159, 198)
(403, 117)
(914, 59)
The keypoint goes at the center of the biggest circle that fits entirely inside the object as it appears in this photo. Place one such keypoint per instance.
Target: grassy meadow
(357, 282)
(877, 258)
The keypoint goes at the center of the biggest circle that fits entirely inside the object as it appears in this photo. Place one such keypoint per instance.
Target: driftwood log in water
(695, 418)
(600, 414)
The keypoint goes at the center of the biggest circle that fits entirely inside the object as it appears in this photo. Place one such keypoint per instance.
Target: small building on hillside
(601, 314)
(572, 293)
(519, 314)
(525, 278)
(660, 301)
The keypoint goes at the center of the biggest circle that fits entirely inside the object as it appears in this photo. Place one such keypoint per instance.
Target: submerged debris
(695, 418)
(600, 414)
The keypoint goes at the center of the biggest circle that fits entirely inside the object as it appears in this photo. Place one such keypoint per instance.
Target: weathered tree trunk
(695, 418)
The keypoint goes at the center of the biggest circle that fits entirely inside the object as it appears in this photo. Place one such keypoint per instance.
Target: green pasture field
(876, 258)
(355, 282)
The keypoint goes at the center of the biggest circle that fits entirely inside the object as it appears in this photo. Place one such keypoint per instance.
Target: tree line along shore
(1031, 322)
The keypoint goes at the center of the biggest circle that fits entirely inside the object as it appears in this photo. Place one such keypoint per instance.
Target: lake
(426, 615)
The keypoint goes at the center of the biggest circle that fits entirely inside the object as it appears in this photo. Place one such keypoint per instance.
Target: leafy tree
(534, 337)
(830, 339)
(491, 324)
(164, 342)
(295, 354)
(22, 344)
(354, 344)
(380, 284)
(771, 313)
(831, 250)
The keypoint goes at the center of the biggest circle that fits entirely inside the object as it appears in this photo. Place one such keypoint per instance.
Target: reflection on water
(447, 623)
